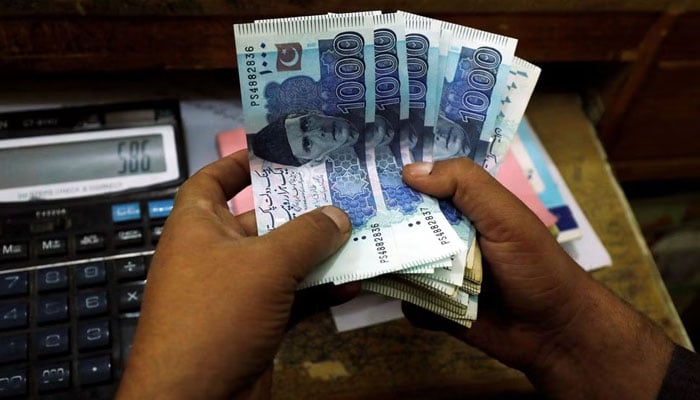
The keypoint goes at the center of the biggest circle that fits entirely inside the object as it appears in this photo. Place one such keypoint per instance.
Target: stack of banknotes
(335, 105)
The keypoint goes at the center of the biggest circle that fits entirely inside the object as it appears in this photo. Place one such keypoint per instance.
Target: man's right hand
(539, 311)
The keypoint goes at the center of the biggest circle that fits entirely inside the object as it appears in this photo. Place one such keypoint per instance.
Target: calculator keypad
(14, 251)
(14, 284)
(13, 382)
(130, 268)
(57, 325)
(52, 309)
(13, 315)
(90, 242)
(13, 348)
(69, 302)
(52, 376)
(52, 279)
(91, 274)
(95, 370)
(52, 341)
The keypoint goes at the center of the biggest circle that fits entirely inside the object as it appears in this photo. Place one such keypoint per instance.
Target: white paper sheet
(588, 250)
(365, 310)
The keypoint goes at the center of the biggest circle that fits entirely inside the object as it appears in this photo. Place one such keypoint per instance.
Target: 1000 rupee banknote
(459, 304)
(475, 77)
(389, 152)
(422, 47)
(309, 109)
(522, 79)
(475, 69)
(429, 42)
(425, 39)
(461, 308)
(299, 109)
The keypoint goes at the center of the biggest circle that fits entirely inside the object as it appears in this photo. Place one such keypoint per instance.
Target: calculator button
(53, 376)
(156, 232)
(89, 241)
(94, 370)
(52, 279)
(42, 227)
(13, 348)
(13, 315)
(90, 304)
(159, 208)
(52, 341)
(131, 268)
(126, 212)
(13, 383)
(93, 334)
(128, 237)
(94, 273)
(13, 284)
(52, 309)
(14, 251)
(130, 298)
(52, 247)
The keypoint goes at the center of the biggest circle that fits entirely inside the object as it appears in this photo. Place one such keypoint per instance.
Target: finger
(304, 242)
(218, 181)
(496, 213)
(310, 301)
(248, 223)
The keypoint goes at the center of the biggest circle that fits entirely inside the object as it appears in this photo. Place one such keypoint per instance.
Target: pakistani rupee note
(310, 114)
(522, 79)
(389, 151)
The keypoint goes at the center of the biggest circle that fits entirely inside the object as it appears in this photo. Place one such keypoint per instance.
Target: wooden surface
(109, 43)
(296, 7)
(648, 127)
(658, 132)
(394, 360)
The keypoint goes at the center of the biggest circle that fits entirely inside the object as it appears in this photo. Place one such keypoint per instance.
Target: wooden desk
(395, 360)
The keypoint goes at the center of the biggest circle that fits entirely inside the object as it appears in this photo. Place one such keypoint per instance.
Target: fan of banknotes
(335, 105)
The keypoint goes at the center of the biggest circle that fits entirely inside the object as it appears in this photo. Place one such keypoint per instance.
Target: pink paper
(230, 142)
(511, 176)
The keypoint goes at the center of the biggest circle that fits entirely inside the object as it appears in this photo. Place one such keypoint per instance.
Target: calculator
(84, 193)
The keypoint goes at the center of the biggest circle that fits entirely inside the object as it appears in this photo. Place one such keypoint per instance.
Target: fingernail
(338, 216)
(419, 168)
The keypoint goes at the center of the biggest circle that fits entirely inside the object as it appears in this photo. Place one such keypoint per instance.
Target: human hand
(539, 311)
(218, 298)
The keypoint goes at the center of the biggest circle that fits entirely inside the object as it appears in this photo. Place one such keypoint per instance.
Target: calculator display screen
(68, 162)
(86, 163)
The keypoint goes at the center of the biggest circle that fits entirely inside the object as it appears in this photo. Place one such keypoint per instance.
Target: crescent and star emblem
(288, 56)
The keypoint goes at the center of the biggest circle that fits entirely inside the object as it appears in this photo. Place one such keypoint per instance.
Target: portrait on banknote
(303, 136)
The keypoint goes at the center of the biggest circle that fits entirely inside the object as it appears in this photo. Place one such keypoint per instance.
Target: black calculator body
(84, 193)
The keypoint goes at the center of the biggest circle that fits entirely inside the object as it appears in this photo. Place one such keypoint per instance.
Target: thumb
(497, 214)
(304, 242)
